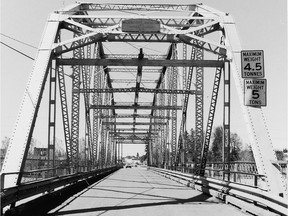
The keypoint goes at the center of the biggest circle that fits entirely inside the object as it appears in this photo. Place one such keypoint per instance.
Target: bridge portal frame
(96, 28)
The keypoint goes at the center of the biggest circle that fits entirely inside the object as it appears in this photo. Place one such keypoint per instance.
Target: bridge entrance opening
(140, 74)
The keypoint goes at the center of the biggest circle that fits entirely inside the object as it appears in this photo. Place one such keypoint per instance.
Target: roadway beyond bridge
(138, 191)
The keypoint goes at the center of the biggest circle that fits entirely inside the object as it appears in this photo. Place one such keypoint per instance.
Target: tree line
(238, 151)
(59, 147)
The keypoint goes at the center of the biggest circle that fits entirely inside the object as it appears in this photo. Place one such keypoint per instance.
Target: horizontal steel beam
(141, 62)
(131, 133)
(142, 37)
(131, 56)
(135, 129)
(131, 137)
(133, 70)
(181, 20)
(133, 89)
(133, 123)
(136, 107)
(148, 116)
(122, 138)
(133, 104)
(135, 142)
(131, 81)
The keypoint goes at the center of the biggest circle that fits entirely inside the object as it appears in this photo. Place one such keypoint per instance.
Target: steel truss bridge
(128, 74)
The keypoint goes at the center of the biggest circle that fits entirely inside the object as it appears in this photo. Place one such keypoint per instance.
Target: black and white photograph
(144, 107)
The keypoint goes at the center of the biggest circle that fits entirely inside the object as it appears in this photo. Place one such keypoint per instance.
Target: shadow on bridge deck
(135, 191)
(138, 191)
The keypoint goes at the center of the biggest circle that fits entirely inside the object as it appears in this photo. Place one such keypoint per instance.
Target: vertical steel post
(226, 123)
(86, 78)
(186, 86)
(96, 99)
(64, 107)
(52, 118)
(169, 78)
(174, 120)
(211, 114)
(121, 150)
(75, 116)
(199, 108)
(162, 135)
(19, 143)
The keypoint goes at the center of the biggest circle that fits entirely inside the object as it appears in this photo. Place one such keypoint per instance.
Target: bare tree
(217, 146)
(4, 146)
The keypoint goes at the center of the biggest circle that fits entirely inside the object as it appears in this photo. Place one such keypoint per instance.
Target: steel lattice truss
(139, 65)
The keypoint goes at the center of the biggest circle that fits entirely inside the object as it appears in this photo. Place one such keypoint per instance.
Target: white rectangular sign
(140, 25)
(252, 63)
(255, 92)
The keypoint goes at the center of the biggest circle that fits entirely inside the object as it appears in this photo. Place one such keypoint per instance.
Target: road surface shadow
(196, 199)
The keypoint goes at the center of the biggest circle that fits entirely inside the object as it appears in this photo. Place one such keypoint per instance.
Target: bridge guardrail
(249, 198)
(45, 173)
(25, 190)
(234, 176)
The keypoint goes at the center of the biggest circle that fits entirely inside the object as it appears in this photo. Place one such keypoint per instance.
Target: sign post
(255, 92)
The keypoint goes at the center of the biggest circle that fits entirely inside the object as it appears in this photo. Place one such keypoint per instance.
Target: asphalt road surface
(137, 191)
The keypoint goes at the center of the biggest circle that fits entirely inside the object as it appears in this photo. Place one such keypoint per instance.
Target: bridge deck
(138, 191)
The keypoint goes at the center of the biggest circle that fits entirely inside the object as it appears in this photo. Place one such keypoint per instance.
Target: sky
(261, 25)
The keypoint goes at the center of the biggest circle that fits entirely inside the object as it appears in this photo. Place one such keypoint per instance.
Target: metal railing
(239, 172)
(44, 173)
(41, 185)
(248, 198)
(245, 178)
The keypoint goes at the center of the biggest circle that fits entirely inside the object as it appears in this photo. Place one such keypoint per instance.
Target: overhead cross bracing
(142, 68)
(140, 65)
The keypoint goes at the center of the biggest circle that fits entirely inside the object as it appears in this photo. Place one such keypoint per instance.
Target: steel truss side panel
(64, 107)
(52, 118)
(199, 103)
(75, 109)
(86, 79)
(104, 133)
(96, 101)
(19, 143)
(101, 126)
(226, 123)
(260, 139)
(187, 80)
(174, 119)
(162, 135)
(168, 114)
(211, 114)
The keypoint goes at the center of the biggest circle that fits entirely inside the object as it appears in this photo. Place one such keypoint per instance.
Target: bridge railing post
(212, 172)
(255, 180)
(234, 175)
(2, 179)
(43, 174)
